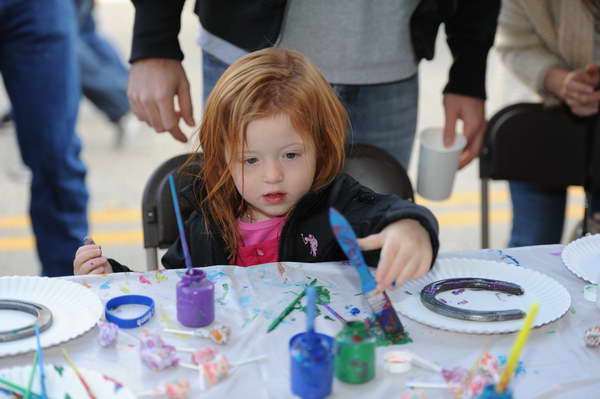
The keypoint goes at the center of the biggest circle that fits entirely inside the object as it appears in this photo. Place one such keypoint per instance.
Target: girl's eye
(250, 161)
(292, 155)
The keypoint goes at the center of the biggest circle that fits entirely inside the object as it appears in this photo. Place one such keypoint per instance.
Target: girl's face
(278, 167)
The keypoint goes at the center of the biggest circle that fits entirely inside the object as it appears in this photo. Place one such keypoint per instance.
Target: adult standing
(39, 68)
(103, 73)
(553, 47)
(369, 52)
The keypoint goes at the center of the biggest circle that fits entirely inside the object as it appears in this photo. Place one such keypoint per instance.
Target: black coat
(255, 24)
(367, 212)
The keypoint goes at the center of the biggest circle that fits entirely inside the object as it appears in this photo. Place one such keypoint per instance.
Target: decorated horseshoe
(429, 292)
(43, 319)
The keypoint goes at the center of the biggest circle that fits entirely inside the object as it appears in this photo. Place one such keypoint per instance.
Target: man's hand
(472, 112)
(153, 85)
(405, 252)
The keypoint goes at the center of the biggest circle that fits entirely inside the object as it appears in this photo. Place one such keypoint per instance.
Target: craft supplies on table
(379, 301)
(556, 363)
(195, 299)
(311, 358)
(354, 354)
(74, 309)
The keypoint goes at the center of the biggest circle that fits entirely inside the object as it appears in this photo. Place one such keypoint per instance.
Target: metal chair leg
(485, 213)
(151, 259)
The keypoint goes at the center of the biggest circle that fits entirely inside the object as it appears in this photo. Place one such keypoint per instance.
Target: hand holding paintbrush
(378, 299)
(405, 252)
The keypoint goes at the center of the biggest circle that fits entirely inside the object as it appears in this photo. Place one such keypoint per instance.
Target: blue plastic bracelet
(115, 302)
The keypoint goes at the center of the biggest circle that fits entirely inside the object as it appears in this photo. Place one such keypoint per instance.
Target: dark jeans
(538, 214)
(383, 115)
(103, 73)
(39, 68)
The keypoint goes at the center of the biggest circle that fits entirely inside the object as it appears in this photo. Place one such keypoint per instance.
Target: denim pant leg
(103, 73)
(383, 115)
(538, 214)
(212, 69)
(39, 68)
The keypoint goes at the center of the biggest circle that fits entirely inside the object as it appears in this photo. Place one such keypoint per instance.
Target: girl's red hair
(262, 84)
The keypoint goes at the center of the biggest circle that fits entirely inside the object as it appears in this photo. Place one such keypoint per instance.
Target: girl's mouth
(274, 197)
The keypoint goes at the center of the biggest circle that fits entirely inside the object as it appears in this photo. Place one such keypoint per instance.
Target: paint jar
(195, 299)
(311, 357)
(489, 392)
(355, 354)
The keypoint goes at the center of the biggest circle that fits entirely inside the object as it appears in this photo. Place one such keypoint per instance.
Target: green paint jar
(355, 354)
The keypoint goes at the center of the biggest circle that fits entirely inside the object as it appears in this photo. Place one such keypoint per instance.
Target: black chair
(158, 217)
(369, 165)
(537, 144)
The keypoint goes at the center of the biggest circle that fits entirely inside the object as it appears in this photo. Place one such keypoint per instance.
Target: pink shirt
(260, 241)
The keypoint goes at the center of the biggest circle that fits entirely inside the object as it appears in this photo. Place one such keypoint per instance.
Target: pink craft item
(155, 354)
(173, 390)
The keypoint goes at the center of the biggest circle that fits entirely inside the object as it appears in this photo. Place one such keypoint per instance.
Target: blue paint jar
(311, 365)
(489, 392)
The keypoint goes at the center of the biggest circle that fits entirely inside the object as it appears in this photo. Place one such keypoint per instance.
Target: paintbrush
(289, 308)
(40, 358)
(184, 246)
(18, 389)
(517, 348)
(31, 375)
(380, 303)
(86, 386)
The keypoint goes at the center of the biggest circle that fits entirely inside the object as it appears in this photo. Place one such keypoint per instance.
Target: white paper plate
(62, 380)
(582, 257)
(75, 310)
(554, 299)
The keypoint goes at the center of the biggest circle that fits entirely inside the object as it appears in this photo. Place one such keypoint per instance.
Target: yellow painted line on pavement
(111, 216)
(135, 236)
(118, 237)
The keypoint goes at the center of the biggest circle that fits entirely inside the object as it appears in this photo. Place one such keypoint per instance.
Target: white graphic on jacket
(311, 240)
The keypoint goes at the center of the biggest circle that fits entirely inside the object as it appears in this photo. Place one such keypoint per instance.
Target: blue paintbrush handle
(310, 309)
(347, 240)
(184, 246)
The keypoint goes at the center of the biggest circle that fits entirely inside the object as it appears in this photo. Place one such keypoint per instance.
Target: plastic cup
(437, 164)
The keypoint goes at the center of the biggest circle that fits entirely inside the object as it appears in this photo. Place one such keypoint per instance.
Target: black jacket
(366, 211)
(255, 24)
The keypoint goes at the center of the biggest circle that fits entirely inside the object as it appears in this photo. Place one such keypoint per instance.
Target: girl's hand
(405, 252)
(89, 260)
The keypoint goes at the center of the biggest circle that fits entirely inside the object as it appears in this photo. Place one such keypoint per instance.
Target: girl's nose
(273, 172)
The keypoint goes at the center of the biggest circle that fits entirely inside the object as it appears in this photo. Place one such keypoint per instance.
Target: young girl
(273, 137)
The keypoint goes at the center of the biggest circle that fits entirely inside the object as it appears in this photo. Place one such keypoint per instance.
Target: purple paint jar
(195, 299)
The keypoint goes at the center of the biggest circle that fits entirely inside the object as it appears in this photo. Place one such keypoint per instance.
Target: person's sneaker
(125, 129)
(6, 119)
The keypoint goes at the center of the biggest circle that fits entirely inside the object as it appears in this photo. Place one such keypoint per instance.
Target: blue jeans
(39, 68)
(538, 214)
(383, 115)
(103, 74)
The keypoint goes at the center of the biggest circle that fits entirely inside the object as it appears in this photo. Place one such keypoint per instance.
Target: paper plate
(75, 310)
(582, 257)
(62, 382)
(554, 299)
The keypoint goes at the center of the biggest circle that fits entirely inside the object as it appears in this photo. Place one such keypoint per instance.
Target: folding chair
(158, 217)
(371, 166)
(537, 144)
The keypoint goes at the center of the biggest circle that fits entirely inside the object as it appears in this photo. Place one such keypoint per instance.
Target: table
(556, 363)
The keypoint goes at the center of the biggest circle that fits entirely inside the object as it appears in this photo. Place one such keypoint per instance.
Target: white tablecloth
(555, 362)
